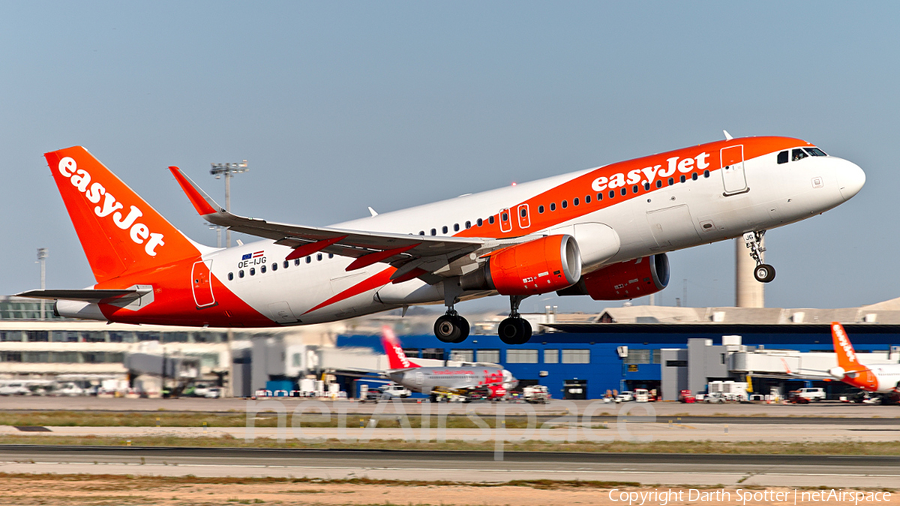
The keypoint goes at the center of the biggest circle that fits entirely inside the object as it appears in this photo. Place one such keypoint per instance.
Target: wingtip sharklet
(203, 203)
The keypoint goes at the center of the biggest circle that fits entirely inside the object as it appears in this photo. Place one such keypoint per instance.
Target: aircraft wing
(413, 255)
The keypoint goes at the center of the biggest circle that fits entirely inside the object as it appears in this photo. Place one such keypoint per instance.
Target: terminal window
(435, 353)
(492, 356)
(551, 356)
(515, 356)
(638, 357)
(462, 355)
(576, 356)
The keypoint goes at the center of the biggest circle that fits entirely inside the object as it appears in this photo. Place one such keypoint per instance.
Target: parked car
(536, 394)
(394, 390)
(69, 390)
(213, 393)
(715, 398)
(813, 394)
(686, 397)
(14, 389)
(641, 395)
(625, 396)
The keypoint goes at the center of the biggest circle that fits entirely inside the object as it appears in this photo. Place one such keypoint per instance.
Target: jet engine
(544, 265)
(624, 280)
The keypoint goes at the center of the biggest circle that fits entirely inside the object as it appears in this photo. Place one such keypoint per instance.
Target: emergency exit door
(201, 285)
(733, 177)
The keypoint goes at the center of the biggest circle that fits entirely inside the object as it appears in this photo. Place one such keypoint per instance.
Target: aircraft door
(200, 284)
(733, 177)
(524, 218)
(505, 221)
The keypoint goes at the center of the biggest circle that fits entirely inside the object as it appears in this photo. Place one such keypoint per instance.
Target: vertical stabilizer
(396, 357)
(845, 355)
(118, 230)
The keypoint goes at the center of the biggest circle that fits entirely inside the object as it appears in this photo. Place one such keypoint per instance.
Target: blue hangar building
(584, 360)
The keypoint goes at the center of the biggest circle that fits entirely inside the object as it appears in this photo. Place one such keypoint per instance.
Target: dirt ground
(24, 490)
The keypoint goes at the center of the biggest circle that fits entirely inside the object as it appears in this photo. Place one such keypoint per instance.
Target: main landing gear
(451, 328)
(764, 273)
(515, 329)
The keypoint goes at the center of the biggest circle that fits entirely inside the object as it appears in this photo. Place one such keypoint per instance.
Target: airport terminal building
(574, 355)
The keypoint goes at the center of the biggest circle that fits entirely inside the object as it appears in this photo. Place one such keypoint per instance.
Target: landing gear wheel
(764, 273)
(451, 328)
(514, 331)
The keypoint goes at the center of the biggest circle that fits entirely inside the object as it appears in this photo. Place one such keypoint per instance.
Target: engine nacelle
(624, 280)
(544, 265)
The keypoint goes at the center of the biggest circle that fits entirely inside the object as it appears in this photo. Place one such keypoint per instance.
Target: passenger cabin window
(798, 154)
(575, 201)
(468, 225)
(433, 231)
(491, 220)
(480, 222)
(252, 271)
(262, 270)
(565, 204)
(553, 206)
(274, 266)
(783, 157)
(444, 229)
(540, 209)
(319, 257)
(587, 199)
(456, 227)
(230, 276)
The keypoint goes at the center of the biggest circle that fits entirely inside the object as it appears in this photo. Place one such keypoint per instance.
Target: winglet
(203, 203)
(396, 357)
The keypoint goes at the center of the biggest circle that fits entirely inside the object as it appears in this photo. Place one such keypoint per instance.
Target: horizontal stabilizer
(85, 295)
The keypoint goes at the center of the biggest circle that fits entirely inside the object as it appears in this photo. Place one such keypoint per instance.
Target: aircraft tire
(514, 331)
(764, 273)
(448, 330)
(463, 329)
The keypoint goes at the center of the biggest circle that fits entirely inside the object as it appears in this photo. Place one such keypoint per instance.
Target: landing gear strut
(515, 329)
(451, 328)
(764, 273)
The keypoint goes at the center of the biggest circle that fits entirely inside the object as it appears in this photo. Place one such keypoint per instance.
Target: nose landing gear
(764, 273)
(515, 329)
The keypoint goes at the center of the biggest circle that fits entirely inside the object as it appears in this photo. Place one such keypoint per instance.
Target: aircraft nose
(851, 179)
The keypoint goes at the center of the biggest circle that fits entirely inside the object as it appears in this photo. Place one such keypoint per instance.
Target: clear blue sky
(342, 105)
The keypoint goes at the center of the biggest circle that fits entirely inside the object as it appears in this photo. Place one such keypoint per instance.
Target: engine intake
(544, 265)
(624, 280)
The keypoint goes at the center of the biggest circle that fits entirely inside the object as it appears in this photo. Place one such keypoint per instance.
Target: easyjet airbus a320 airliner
(601, 232)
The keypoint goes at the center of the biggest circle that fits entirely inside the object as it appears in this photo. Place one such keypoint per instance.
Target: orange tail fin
(118, 230)
(396, 357)
(844, 350)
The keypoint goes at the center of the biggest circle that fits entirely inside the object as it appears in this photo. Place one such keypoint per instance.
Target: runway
(464, 467)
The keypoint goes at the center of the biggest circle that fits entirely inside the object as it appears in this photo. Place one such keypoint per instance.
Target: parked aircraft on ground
(601, 232)
(488, 379)
(879, 379)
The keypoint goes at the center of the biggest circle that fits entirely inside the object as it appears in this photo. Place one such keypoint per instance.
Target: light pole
(228, 169)
(42, 259)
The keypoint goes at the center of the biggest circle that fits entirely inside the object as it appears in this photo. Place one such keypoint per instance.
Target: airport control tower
(747, 290)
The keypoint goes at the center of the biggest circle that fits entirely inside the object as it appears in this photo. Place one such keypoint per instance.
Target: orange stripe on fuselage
(370, 283)
(581, 186)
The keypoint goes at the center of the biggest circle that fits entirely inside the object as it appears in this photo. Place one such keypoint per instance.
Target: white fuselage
(319, 289)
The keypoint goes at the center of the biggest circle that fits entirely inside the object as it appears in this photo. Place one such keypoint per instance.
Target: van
(813, 394)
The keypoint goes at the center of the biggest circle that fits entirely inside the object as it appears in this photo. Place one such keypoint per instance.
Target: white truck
(536, 394)
(813, 394)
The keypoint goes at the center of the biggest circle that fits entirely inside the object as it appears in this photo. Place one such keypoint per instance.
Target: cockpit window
(815, 152)
(783, 157)
(798, 154)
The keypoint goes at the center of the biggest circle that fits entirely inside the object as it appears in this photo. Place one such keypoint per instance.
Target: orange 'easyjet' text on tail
(118, 230)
